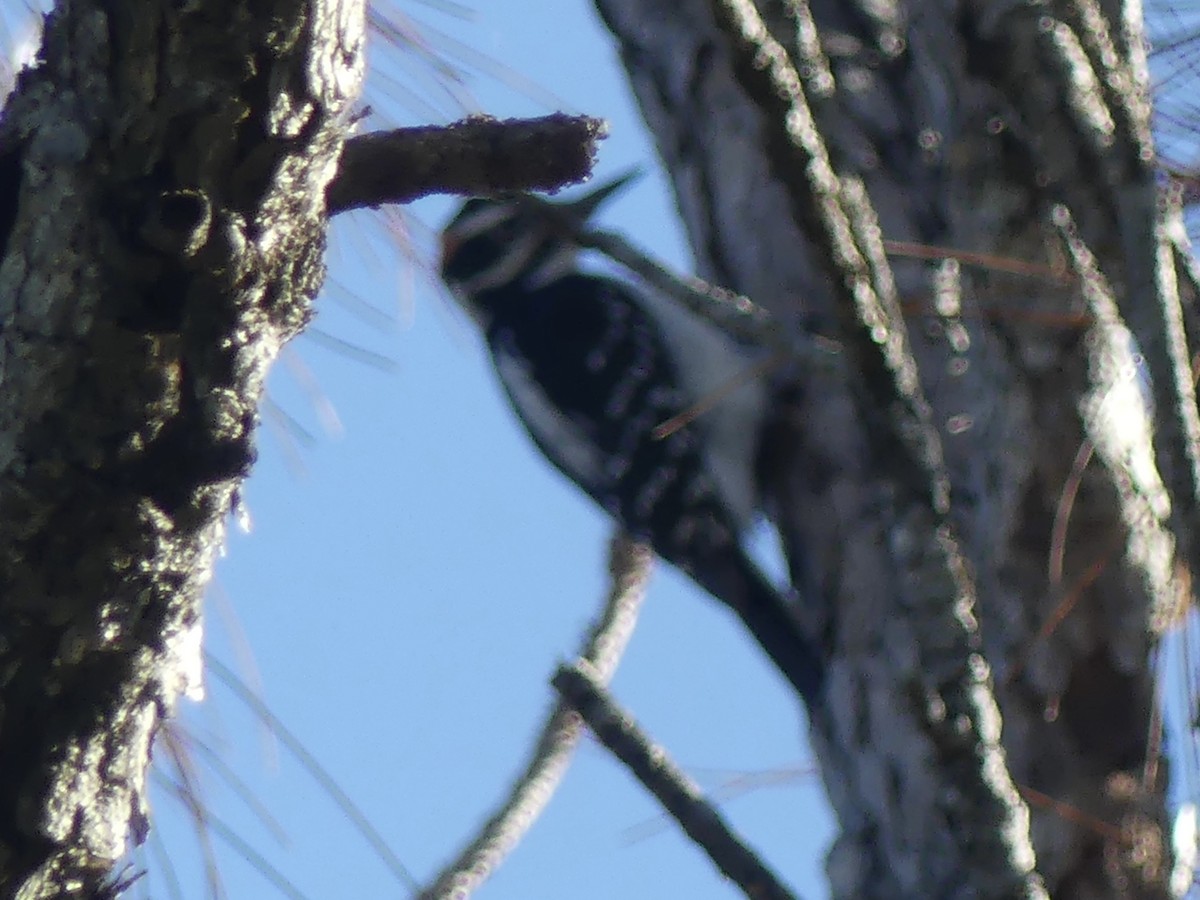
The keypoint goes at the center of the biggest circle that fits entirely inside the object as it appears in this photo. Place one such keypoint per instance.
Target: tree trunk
(1020, 133)
(942, 493)
(162, 183)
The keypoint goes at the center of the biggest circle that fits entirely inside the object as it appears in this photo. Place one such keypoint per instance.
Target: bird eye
(479, 235)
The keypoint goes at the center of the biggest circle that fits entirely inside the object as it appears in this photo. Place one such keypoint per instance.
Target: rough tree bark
(167, 171)
(162, 179)
(1019, 131)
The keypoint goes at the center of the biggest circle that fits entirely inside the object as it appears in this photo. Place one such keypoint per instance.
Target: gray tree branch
(966, 126)
(629, 568)
(476, 156)
(583, 691)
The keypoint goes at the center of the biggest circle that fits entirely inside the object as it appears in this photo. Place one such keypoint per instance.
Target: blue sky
(414, 573)
(413, 576)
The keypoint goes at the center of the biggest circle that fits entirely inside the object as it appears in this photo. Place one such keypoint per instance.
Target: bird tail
(737, 582)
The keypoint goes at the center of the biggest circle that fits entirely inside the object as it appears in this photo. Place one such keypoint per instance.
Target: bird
(591, 364)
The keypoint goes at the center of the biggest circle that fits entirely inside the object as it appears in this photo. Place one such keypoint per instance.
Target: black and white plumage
(591, 366)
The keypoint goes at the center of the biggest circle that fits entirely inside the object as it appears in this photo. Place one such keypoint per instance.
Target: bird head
(499, 242)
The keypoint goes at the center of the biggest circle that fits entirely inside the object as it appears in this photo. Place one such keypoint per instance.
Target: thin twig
(164, 868)
(1062, 513)
(664, 430)
(240, 845)
(990, 262)
(327, 782)
(737, 784)
(629, 567)
(734, 312)
(187, 789)
(1070, 813)
(678, 794)
(191, 744)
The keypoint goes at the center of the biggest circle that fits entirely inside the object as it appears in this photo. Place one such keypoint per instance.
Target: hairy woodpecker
(591, 365)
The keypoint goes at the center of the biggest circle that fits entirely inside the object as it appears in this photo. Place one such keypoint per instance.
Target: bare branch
(629, 567)
(477, 156)
(580, 687)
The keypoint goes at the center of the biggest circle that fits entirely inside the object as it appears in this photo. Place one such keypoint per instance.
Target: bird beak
(585, 207)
